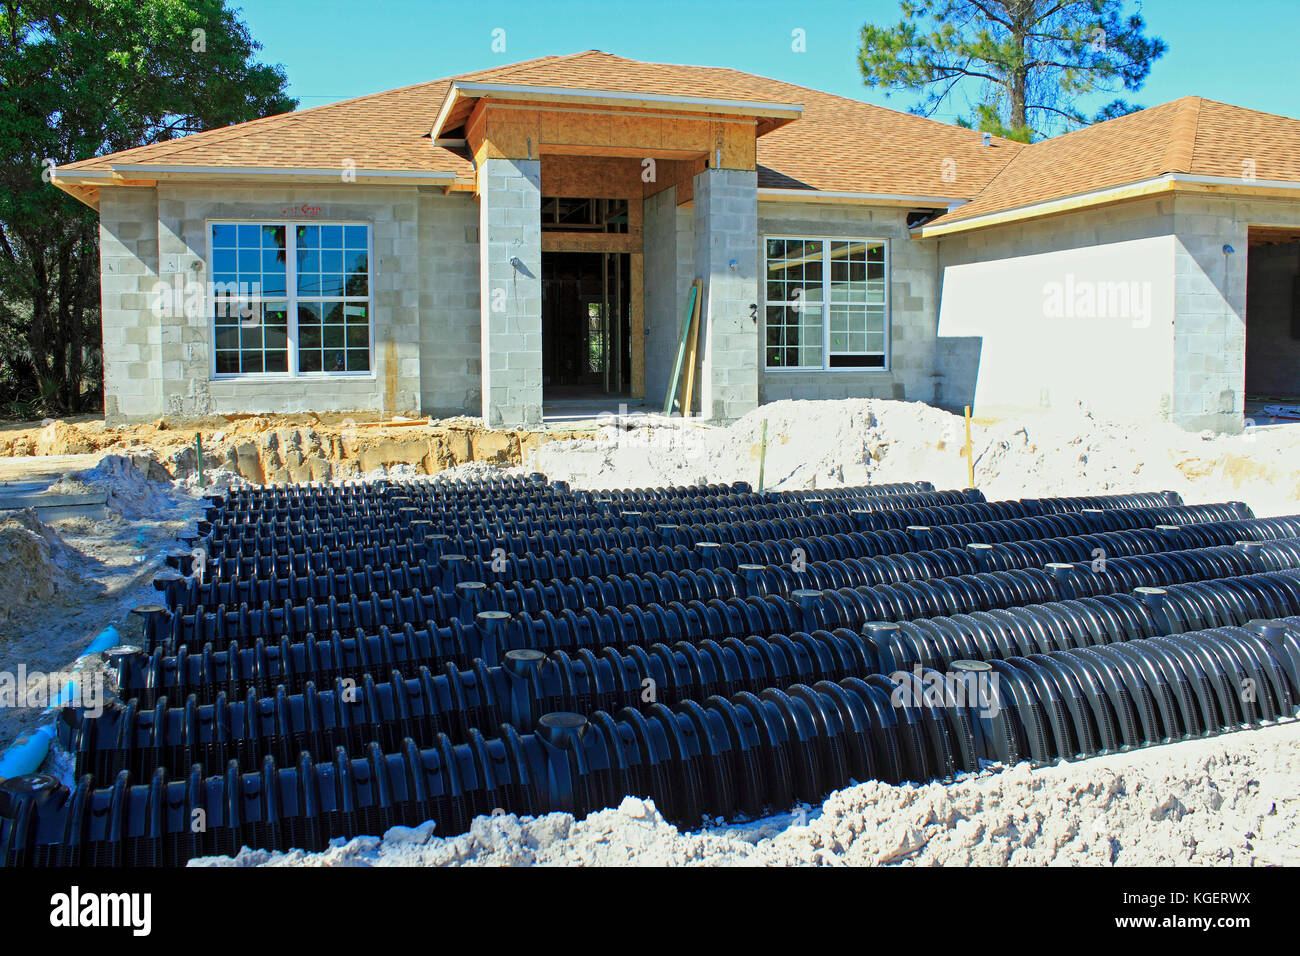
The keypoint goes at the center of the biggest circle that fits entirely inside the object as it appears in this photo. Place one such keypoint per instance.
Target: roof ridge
(1247, 109)
(766, 78)
(795, 86)
(510, 68)
(1127, 117)
(1028, 155)
(1181, 145)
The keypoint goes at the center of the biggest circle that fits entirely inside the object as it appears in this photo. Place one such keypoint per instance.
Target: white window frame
(826, 306)
(292, 299)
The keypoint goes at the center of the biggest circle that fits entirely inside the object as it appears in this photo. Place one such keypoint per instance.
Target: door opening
(586, 350)
(1273, 326)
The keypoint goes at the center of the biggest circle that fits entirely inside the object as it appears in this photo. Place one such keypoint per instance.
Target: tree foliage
(1028, 63)
(80, 78)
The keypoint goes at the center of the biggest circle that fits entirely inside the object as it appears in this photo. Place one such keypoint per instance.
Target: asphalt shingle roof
(1192, 136)
(838, 145)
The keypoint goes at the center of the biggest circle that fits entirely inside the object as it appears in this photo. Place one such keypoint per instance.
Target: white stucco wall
(1052, 312)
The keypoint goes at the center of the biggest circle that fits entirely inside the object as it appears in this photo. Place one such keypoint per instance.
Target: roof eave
(775, 193)
(148, 174)
(1123, 192)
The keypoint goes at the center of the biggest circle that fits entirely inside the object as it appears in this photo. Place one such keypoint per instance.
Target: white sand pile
(855, 441)
(137, 485)
(36, 567)
(1197, 802)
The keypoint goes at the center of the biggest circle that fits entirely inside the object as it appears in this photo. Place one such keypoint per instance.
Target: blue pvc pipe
(27, 753)
(105, 639)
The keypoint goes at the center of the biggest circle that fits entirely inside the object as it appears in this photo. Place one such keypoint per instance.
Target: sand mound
(137, 485)
(819, 444)
(35, 566)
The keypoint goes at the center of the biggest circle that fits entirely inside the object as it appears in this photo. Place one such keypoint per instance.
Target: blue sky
(1241, 52)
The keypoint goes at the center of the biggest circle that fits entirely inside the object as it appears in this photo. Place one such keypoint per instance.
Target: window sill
(278, 378)
(830, 371)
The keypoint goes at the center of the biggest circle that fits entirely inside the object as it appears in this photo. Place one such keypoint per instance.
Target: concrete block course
(726, 258)
(129, 269)
(510, 269)
(457, 327)
(913, 303)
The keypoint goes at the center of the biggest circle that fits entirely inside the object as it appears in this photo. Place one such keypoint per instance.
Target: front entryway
(586, 352)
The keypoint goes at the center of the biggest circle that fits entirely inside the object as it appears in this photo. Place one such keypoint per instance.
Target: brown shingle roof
(839, 145)
(1192, 136)
(379, 131)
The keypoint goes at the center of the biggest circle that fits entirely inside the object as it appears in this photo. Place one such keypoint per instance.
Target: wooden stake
(688, 387)
(970, 460)
(762, 458)
(681, 349)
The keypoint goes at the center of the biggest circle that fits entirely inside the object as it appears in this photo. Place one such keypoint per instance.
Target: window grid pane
(252, 302)
(840, 279)
(857, 298)
(794, 303)
(253, 341)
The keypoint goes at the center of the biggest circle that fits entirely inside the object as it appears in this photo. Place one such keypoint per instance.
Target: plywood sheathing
(498, 130)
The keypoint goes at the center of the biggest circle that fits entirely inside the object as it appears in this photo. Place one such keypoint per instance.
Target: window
(563, 214)
(290, 298)
(826, 304)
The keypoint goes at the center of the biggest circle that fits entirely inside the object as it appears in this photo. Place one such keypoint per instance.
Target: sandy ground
(61, 584)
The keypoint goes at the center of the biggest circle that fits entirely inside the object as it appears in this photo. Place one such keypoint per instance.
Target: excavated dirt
(37, 570)
(266, 449)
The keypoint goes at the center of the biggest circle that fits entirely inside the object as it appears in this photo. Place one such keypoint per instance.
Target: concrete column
(1210, 311)
(130, 304)
(726, 258)
(510, 275)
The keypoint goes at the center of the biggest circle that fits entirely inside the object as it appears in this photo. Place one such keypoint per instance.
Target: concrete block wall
(511, 297)
(1211, 327)
(913, 304)
(968, 316)
(662, 323)
(726, 232)
(1008, 341)
(450, 365)
(159, 362)
(669, 272)
(132, 338)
